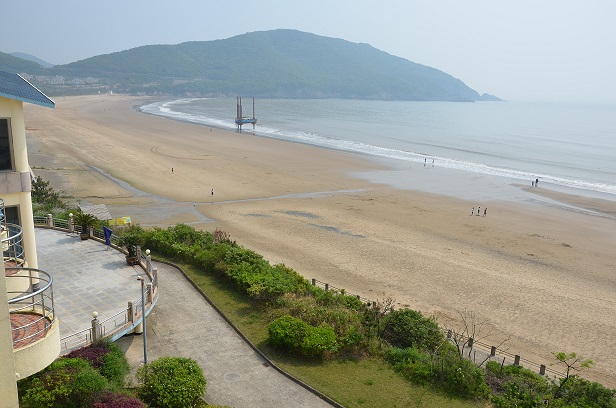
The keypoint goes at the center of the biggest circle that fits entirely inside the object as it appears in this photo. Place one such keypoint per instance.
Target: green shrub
(171, 382)
(400, 356)
(115, 366)
(578, 392)
(516, 386)
(409, 328)
(287, 332)
(459, 376)
(318, 340)
(294, 334)
(346, 322)
(107, 358)
(67, 382)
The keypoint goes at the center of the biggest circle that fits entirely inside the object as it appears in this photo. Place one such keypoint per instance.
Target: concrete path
(184, 324)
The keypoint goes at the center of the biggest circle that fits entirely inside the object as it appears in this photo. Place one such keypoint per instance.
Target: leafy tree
(45, 197)
(573, 363)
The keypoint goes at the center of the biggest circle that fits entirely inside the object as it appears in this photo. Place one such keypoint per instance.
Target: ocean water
(566, 146)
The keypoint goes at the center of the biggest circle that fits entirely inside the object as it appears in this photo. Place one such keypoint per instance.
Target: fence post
(149, 290)
(71, 223)
(148, 261)
(542, 369)
(326, 287)
(49, 221)
(314, 282)
(470, 342)
(493, 351)
(94, 326)
(516, 362)
(155, 277)
(131, 312)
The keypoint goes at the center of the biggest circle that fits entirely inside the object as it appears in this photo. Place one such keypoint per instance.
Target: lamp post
(145, 337)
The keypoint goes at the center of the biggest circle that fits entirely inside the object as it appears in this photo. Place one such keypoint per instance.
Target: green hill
(10, 63)
(266, 64)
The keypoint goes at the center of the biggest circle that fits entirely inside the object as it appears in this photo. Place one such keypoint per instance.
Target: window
(6, 162)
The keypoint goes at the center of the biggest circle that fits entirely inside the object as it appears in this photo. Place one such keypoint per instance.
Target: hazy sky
(544, 50)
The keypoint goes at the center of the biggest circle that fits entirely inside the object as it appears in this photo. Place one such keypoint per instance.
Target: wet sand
(541, 270)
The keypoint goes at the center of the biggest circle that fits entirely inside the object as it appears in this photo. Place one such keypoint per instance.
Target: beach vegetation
(296, 335)
(409, 328)
(309, 332)
(573, 363)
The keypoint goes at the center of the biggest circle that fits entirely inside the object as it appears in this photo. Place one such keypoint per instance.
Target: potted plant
(85, 221)
(130, 239)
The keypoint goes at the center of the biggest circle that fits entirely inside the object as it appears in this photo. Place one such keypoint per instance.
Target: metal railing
(11, 237)
(36, 300)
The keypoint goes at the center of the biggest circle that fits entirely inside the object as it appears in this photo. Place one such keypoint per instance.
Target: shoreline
(540, 273)
(392, 156)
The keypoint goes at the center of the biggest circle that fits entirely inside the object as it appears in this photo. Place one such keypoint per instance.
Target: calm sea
(566, 146)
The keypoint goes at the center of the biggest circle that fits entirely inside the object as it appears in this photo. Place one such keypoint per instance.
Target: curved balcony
(36, 335)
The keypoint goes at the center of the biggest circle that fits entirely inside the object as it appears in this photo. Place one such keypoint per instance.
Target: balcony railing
(32, 311)
(11, 237)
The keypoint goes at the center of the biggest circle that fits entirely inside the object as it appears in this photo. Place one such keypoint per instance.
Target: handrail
(11, 236)
(28, 302)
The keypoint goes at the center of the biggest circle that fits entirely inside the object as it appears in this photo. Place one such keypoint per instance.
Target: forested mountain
(10, 63)
(266, 64)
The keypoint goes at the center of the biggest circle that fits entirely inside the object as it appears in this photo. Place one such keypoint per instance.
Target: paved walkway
(87, 278)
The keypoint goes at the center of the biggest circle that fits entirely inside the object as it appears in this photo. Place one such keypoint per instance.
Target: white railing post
(95, 328)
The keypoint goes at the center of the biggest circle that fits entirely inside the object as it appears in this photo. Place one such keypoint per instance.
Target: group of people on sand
(485, 211)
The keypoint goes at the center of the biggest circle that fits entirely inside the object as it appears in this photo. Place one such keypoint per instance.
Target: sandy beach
(543, 275)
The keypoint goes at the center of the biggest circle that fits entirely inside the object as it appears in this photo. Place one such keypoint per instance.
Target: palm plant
(86, 221)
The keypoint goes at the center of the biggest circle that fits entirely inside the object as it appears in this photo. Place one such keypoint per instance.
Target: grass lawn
(353, 383)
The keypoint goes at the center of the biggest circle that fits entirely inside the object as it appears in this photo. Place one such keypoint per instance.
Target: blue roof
(13, 86)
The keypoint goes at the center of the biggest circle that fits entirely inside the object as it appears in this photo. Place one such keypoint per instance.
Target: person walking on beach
(478, 210)
(212, 192)
(171, 170)
(536, 182)
(472, 210)
(485, 211)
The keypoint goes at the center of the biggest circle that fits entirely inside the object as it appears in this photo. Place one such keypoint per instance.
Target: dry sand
(544, 275)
